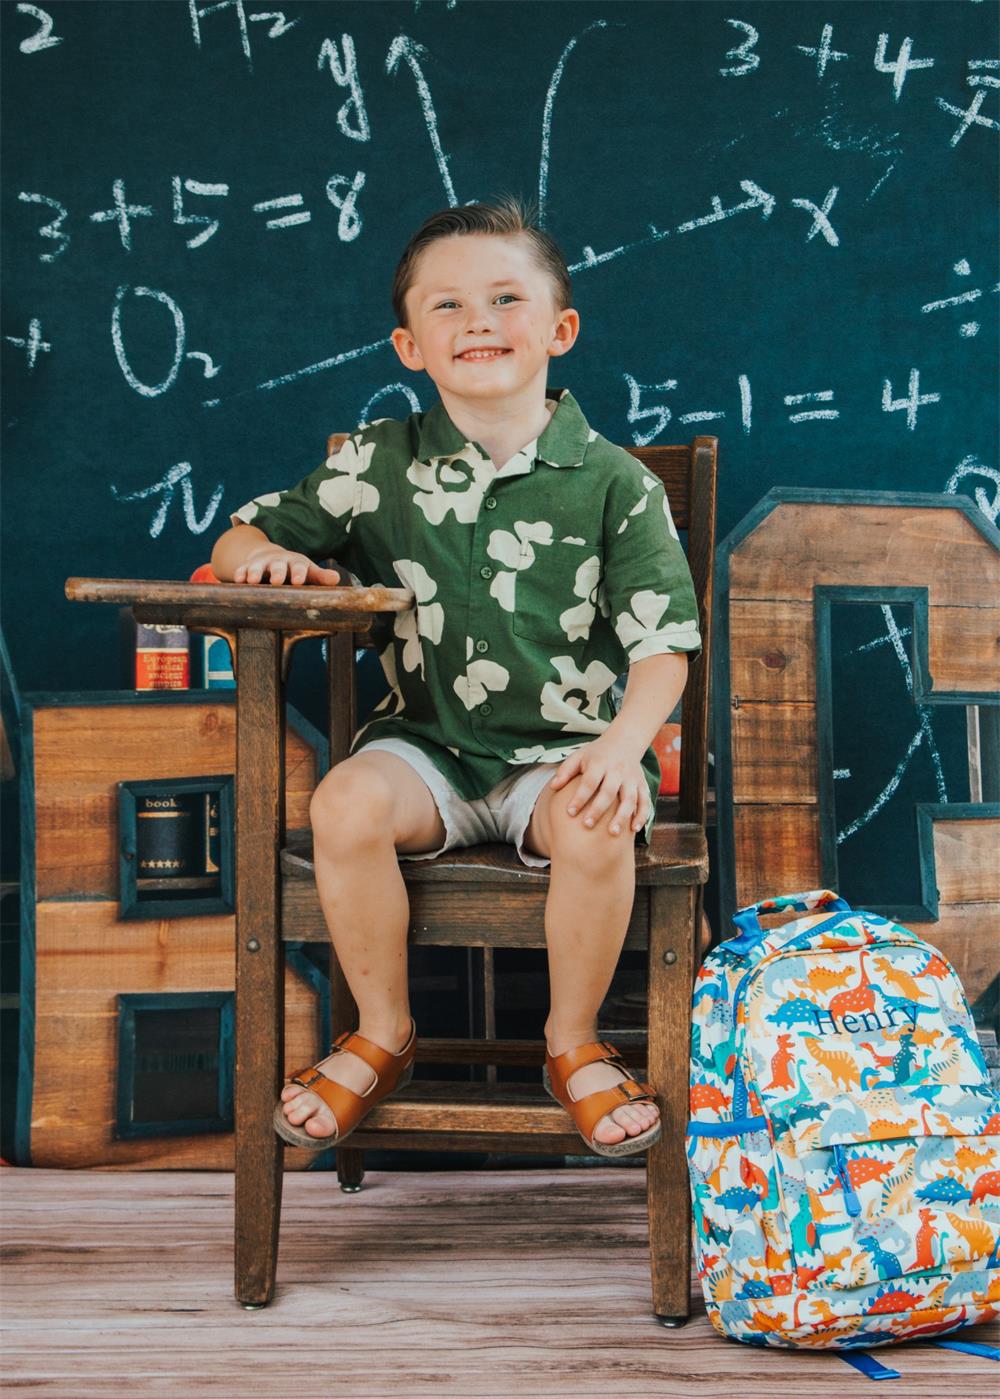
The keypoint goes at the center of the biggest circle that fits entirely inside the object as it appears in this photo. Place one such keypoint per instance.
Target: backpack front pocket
(894, 1184)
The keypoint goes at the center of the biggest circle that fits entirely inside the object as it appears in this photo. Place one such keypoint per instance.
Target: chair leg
(672, 912)
(350, 1168)
(260, 988)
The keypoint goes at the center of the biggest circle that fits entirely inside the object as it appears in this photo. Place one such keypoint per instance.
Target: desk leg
(260, 770)
(671, 974)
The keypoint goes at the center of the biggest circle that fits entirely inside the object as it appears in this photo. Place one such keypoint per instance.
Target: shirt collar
(562, 443)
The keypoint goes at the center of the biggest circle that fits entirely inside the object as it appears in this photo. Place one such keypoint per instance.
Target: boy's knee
(353, 801)
(571, 836)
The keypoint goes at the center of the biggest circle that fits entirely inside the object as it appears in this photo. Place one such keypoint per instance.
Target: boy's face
(481, 292)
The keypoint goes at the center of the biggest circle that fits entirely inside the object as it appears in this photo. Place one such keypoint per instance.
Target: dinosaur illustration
(887, 1265)
(824, 979)
(706, 1095)
(950, 1070)
(780, 1062)
(838, 1063)
(935, 967)
(882, 1129)
(857, 998)
(835, 1261)
(798, 1010)
(926, 1235)
(946, 1191)
(906, 984)
(882, 1060)
(988, 1184)
(966, 1159)
(713, 1179)
(976, 1232)
(902, 1064)
(893, 1299)
(861, 1169)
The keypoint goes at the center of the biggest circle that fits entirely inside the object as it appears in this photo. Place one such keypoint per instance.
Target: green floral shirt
(536, 586)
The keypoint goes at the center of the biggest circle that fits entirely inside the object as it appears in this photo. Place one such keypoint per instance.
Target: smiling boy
(544, 561)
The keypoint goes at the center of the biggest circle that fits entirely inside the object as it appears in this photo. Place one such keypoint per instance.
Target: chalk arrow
(759, 199)
(405, 48)
(280, 25)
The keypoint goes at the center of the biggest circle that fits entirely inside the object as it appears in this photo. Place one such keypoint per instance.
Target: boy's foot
(308, 1112)
(626, 1121)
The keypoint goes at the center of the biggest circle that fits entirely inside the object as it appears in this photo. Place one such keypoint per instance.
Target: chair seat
(677, 854)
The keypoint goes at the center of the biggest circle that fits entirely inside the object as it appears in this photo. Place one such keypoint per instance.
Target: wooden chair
(479, 897)
(482, 896)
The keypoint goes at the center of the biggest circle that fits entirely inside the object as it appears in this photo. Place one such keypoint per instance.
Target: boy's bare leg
(366, 809)
(591, 891)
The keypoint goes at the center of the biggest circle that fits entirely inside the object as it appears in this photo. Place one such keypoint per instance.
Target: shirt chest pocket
(555, 591)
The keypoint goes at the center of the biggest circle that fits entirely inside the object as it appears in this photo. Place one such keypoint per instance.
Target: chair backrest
(688, 472)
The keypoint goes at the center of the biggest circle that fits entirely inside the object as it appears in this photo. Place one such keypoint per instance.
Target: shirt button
(486, 571)
(486, 709)
(482, 645)
(490, 502)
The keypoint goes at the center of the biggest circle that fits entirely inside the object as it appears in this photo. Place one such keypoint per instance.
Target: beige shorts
(502, 815)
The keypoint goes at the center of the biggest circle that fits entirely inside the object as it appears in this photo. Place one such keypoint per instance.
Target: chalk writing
(971, 466)
(285, 201)
(31, 343)
(49, 230)
(178, 475)
(346, 200)
(903, 64)
(913, 400)
(404, 49)
(122, 213)
(824, 54)
(967, 329)
(403, 389)
(279, 24)
(820, 223)
(970, 115)
(812, 414)
(177, 316)
(550, 97)
(196, 187)
(43, 38)
(750, 60)
(345, 74)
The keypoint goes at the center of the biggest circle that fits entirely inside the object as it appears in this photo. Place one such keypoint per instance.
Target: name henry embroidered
(868, 1020)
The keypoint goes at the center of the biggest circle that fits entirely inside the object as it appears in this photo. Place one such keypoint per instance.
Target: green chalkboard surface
(780, 220)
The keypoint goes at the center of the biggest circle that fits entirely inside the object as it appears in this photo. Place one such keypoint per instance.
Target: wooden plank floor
(475, 1283)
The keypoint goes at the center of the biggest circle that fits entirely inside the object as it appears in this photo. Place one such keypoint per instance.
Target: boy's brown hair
(503, 216)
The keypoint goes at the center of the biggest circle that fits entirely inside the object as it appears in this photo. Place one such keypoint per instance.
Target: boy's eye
(496, 298)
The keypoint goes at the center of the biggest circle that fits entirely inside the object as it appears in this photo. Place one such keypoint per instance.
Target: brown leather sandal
(587, 1111)
(392, 1071)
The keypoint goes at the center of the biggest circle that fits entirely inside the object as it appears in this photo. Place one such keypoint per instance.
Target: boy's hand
(610, 772)
(276, 564)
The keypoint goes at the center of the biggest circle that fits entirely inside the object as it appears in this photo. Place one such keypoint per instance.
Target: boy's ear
(406, 348)
(567, 330)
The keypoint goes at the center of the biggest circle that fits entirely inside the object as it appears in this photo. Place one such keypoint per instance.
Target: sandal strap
(588, 1111)
(346, 1105)
(562, 1067)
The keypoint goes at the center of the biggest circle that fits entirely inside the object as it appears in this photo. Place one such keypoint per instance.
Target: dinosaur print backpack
(844, 1139)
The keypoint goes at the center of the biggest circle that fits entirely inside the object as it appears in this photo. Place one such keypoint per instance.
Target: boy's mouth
(483, 354)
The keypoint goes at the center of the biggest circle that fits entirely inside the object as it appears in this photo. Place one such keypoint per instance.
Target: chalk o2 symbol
(131, 378)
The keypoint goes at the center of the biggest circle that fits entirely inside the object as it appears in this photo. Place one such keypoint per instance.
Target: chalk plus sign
(122, 214)
(32, 344)
(824, 53)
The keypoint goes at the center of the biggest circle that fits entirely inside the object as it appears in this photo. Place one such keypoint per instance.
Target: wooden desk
(262, 623)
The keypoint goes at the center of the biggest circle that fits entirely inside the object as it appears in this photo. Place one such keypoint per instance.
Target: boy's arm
(652, 688)
(244, 554)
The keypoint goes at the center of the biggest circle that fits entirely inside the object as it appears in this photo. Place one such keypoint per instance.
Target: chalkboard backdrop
(780, 221)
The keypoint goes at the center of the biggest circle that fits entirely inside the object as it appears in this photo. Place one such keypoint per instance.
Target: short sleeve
(647, 581)
(315, 516)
